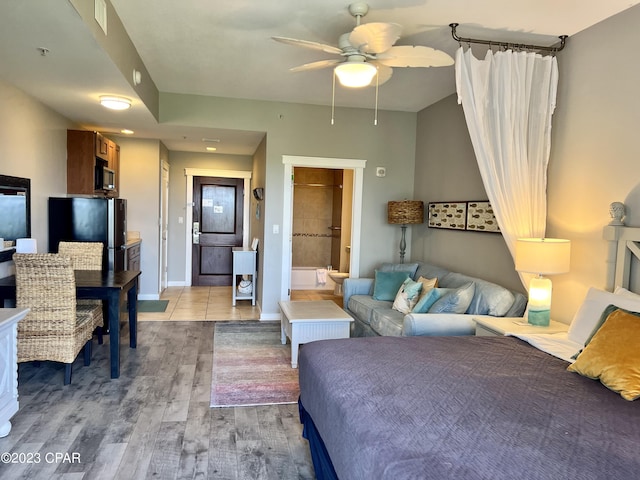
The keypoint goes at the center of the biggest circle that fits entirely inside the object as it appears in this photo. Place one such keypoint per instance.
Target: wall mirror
(15, 208)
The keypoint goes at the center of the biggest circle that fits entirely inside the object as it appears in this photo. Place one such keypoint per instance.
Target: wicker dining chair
(53, 330)
(86, 256)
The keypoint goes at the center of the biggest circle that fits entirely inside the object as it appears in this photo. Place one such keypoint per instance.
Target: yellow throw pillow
(613, 355)
(428, 284)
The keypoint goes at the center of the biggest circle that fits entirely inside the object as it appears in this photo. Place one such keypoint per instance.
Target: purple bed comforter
(465, 408)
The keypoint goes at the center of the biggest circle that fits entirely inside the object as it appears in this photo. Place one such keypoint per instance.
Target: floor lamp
(403, 213)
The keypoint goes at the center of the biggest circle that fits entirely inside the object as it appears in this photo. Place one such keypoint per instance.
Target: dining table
(100, 285)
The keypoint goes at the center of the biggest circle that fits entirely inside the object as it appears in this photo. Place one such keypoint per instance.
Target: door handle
(196, 233)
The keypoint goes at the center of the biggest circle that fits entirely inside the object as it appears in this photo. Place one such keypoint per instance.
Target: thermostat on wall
(381, 171)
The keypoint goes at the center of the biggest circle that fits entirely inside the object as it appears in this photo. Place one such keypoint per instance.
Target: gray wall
(178, 161)
(33, 144)
(446, 170)
(594, 161)
(305, 130)
(140, 169)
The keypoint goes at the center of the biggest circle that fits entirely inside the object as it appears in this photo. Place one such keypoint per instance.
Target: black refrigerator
(82, 219)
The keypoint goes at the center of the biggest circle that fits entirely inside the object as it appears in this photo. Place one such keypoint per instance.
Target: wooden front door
(217, 228)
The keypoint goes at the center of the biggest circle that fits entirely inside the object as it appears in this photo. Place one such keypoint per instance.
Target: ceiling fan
(369, 50)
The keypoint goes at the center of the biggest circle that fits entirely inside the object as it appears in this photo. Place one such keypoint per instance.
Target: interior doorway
(164, 229)
(356, 168)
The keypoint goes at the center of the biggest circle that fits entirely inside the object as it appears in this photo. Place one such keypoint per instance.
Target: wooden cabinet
(113, 161)
(85, 151)
(102, 146)
(133, 257)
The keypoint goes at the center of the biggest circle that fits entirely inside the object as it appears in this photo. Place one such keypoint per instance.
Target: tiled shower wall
(313, 206)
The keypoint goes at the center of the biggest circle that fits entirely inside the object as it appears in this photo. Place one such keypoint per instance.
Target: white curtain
(508, 100)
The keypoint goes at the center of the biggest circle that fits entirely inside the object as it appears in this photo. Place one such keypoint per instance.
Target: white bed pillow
(588, 315)
(626, 293)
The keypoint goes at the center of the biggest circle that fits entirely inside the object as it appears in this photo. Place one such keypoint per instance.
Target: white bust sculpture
(616, 211)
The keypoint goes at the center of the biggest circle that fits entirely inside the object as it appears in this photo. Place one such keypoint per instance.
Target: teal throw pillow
(456, 301)
(428, 299)
(387, 284)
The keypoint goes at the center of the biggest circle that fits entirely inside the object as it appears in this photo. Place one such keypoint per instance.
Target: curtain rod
(506, 45)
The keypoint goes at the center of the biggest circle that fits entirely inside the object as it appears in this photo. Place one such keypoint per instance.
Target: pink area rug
(251, 366)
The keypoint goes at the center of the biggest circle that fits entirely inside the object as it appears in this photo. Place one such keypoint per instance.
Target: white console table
(244, 263)
(9, 318)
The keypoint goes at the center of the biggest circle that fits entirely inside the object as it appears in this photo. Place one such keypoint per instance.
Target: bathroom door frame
(291, 161)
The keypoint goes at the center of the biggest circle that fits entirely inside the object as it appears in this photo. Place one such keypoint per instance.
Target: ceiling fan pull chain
(375, 117)
(333, 97)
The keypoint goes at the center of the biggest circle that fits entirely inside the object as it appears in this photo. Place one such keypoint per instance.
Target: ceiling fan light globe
(355, 75)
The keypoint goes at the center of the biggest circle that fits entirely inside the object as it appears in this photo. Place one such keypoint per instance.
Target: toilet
(338, 278)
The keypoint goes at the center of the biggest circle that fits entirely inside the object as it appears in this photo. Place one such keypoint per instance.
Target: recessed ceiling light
(115, 103)
(211, 149)
(126, 131)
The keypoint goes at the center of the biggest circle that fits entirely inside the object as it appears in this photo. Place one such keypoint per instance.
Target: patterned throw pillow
(407, 296)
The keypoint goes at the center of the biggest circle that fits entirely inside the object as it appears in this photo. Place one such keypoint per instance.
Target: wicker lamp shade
(405, 212)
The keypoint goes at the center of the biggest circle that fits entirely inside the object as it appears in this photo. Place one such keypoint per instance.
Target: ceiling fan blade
(316, 65)
(414, 56)
(384, 74)
(375, 37)
(308, 44)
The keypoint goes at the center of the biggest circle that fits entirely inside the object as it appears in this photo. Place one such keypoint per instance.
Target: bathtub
(304, 278)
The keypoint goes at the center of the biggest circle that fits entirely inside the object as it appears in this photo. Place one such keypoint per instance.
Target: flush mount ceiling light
(211, 149)
(126, 131)
(355, 74)
(115, 103)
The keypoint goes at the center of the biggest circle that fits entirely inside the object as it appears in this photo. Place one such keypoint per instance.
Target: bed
(472, 407)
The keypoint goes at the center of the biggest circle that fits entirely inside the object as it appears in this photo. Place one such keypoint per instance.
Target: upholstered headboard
(623, 252)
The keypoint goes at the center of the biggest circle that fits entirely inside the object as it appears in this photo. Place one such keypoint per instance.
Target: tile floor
(214, 303)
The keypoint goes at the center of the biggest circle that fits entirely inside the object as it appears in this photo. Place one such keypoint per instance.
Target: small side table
(244, 263)
(9, 318)
(499, 326)
(308, 321)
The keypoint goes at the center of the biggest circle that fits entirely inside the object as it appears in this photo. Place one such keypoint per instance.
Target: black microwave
(105, 178)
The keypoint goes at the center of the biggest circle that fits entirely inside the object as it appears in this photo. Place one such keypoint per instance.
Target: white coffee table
(307, 321)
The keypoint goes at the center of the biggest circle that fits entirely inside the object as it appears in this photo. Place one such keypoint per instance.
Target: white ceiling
(223, 48)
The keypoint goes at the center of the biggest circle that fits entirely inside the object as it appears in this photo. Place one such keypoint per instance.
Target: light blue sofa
(376, 317)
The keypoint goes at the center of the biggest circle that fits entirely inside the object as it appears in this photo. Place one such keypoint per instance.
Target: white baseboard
(148, 296)
(269, 317)
(177, 284)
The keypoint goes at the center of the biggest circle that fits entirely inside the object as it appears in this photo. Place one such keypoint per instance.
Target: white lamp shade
(26, 245)
(355, 74)
(545, 256)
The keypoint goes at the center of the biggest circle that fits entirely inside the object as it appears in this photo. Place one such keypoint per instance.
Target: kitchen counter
(132, 251)
(132, 242)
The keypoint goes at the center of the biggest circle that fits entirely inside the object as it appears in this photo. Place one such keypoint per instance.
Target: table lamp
(403, 213)
(542, 256)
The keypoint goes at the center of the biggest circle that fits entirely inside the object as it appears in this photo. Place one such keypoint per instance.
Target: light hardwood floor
(155, 420)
